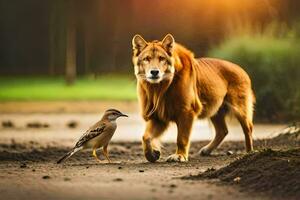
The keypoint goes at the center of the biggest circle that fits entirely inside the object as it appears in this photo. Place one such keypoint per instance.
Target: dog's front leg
(184, 128)
(151, 146)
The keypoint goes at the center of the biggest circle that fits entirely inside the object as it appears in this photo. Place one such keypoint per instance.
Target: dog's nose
(154, 72)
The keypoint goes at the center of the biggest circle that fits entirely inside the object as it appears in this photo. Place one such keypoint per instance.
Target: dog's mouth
(154, 79)
(159, 78)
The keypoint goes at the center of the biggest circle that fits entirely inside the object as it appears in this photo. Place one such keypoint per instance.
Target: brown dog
(173, 86)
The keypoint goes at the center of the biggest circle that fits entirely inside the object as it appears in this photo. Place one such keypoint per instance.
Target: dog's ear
(168, 43)
(138, 43)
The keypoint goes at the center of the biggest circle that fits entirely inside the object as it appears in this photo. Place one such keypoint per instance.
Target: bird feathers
(90, 134)
(69, 154)
(97, 135)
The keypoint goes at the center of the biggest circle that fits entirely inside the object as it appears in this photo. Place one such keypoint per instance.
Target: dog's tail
(69, 154)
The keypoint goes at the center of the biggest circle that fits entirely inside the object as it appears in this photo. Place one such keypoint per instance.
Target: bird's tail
(69, 154)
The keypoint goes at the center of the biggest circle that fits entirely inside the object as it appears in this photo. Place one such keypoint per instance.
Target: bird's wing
(94, 131)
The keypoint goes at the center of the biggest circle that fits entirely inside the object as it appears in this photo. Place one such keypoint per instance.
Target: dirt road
(31, 143)
(28, 170)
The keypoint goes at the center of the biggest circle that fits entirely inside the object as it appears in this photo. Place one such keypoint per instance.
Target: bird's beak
(123, 115)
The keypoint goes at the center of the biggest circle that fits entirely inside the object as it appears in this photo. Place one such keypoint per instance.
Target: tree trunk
(52, 34)
(70, 70)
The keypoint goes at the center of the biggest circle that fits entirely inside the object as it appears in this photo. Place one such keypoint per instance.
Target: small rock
(67, 179)
(7, 124)
(46, 177)
(87, 167)
(23, 165)
(141, 170)
(173, 186)
(33, 170)
(120, 167)
(210, 169)
(118, 179)
(34, 125)
(228, 153)
(72, 124)
(237, 179)
(13, 144)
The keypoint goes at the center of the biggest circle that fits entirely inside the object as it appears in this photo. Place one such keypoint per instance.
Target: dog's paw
(204, 151)
(177, 158)
(152, 156)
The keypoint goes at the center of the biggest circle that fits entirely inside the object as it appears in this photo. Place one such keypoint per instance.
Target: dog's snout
(154, 72)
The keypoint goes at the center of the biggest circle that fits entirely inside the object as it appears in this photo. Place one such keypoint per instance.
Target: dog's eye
(147, 59)
(161, 58)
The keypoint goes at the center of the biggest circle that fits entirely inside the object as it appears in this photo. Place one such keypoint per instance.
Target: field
(54, 88)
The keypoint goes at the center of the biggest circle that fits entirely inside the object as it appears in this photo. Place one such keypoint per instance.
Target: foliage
(272, 59)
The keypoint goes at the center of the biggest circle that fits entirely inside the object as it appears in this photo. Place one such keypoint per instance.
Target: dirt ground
(29, 149)
(29, 170)
(66, 106)
(273, 172)
(276, 173)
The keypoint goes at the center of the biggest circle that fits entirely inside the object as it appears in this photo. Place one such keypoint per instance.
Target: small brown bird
(99, 135)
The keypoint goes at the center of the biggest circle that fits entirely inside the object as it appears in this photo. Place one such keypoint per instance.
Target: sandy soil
(26, 127)
(272, 172)
(29, 170)
(66, 106)
(33, 138)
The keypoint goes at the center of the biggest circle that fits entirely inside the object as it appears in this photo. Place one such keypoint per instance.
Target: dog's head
(153, 61)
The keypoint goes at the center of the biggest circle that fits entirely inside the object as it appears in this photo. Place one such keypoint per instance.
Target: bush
(273, 64)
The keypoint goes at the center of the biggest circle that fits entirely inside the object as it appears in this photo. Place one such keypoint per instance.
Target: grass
(108, 87)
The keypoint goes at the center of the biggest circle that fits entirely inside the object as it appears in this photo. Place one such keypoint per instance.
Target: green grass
(106, 87)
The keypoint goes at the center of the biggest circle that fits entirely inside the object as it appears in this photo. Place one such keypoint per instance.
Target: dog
(174, 86)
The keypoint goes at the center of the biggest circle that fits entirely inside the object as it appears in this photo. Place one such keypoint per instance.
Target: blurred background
(74, 56)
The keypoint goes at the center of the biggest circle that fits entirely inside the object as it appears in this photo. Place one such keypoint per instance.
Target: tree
(70, 66)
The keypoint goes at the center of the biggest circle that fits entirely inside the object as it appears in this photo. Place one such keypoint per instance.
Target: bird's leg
(95, 155)
(105, 152)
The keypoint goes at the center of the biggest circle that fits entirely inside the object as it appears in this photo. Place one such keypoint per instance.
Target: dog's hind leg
(247, 127)
(221, 131)
(243, 110)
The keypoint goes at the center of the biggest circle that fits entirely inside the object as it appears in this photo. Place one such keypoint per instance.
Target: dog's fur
(187, 88)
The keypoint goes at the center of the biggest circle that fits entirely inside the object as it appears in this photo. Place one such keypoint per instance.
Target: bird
(97, 136)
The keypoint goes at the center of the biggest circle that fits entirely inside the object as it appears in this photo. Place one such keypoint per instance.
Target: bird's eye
(161, 58)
